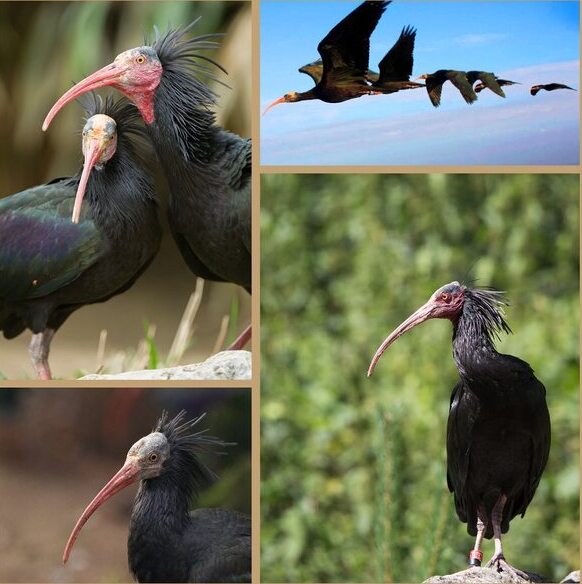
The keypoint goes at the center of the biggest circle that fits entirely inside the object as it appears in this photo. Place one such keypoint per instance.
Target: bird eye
(153, 457)
(140, 59)
(445, 296)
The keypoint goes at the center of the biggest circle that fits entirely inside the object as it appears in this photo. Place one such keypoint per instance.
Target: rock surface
(485, 576)
(572, 578)
(227, 365)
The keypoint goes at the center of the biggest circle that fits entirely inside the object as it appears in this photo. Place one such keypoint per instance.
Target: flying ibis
(208, 169)
(395, 67)
(489, 80)
(498, 431)
(78, 240)
(549, 87)
(345, 52)
(166, 541)
(501, 82)
(434, 85)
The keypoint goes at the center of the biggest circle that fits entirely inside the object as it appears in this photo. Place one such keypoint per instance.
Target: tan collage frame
(258, 170)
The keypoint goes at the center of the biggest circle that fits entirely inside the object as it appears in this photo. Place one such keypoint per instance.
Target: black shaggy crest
(126, 115)
(484, 313)
(186, 443)
(191, 101)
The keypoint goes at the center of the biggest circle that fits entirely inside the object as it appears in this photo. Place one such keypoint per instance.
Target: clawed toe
(500, 564)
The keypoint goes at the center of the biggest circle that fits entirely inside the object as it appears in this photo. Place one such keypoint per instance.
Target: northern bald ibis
(434, 85)
(167, 542)
(549, 87)
(78, 240)
(208, 168)
(498, 432)
(487, 79)
(501, 82)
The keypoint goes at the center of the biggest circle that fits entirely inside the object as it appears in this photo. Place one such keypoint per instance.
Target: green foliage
(353, 469)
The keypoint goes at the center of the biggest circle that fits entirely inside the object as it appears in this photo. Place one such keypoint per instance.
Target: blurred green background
(44, 48)
(353, 469)
(58, 448)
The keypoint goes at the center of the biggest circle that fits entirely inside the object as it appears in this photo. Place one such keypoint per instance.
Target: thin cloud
(471, 40)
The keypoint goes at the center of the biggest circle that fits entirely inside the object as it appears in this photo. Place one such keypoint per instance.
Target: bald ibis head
(99, 145)
(137, 72)
(290, 97)
(170, 451)
(448, 302)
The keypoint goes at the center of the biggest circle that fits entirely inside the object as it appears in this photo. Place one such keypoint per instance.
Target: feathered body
(208, 169)
(498, 433)
(166, 543)
(50, 266)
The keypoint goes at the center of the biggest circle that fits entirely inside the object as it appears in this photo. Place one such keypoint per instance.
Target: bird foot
(499, 563)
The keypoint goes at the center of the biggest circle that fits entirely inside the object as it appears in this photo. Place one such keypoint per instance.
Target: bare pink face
(99, 145)
(136, 73)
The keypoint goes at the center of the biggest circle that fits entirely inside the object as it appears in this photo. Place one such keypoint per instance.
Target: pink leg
(39, 351)
(498, 560)
(241, 340)
(476, 555)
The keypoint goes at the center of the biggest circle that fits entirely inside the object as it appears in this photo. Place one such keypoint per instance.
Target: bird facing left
(166, 542)
(81, 239)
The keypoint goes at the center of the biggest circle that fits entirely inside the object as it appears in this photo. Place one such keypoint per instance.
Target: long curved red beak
(273, 104)
(127, 475)
(108, 75)
(423, 313)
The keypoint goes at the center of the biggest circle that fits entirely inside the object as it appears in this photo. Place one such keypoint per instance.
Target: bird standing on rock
(78, 240)
(498, 432)
(166, 542)
(208, 169)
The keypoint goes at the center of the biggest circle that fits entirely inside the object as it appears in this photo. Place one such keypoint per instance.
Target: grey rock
(572, 578)
(227, 365)
(484, 576)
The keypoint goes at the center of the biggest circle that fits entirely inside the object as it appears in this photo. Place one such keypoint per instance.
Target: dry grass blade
(99, 362)
(221, 334)
(186, 327)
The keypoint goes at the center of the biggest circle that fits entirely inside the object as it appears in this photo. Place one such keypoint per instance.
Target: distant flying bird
(395, 67)
(501, 82)
(487, 79)
(549, 87)
(434, 85)
(78, 240)
(345, 53)
(498, 431)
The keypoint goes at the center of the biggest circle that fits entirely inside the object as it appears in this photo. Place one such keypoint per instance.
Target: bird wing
(220, 540)
(314, 70)
(434, 89)
(398, 61)
(460, 81)
(41, 249)
(459, 438)
(345, 50)
(490, 81)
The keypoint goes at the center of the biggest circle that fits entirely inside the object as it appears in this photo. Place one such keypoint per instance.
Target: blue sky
(530, 42)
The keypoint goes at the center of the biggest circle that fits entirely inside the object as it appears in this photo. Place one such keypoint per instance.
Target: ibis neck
(472, 343)
(304, 96)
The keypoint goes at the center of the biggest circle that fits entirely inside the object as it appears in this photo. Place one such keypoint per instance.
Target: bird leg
(498, 561)
(241, 340)
(39, 351)
(476, 555)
